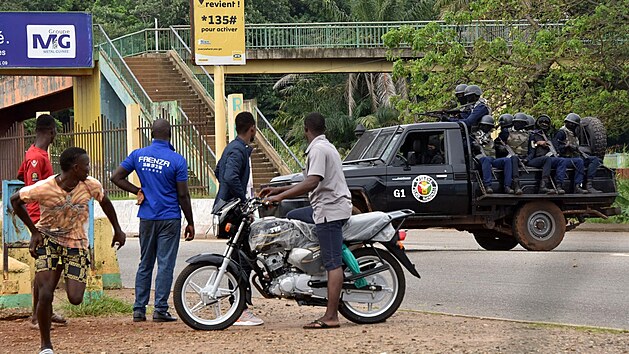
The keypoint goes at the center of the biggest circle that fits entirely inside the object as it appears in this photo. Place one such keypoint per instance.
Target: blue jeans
(546, 163)
(159, 240)
(330, 235)
(505, 163)
(302, 214)
(577, 163)
(591, 163)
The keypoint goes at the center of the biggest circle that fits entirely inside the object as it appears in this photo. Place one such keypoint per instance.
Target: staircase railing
(276, 141)
(148, 109)
(179, 45)
(201, 161)
(172, 38)
(116, 59)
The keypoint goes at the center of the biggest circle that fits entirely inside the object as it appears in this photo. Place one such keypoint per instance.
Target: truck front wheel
(539, 226)
(492, 240)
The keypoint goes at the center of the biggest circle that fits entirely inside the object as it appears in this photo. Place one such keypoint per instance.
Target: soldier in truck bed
(567, 142)
(542, 155)
(484, 147)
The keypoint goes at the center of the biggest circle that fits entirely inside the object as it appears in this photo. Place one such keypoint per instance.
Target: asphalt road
(585, 281)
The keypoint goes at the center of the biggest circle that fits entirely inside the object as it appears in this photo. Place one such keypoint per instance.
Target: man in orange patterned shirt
(59, 241)
(36, 167)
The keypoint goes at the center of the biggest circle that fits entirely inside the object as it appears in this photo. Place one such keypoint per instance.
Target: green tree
(577, 66)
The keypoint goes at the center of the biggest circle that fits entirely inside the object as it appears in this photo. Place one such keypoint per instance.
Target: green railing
(109, 51)
(366, 34)
(369, 34)
(180, 45)
(276, 141)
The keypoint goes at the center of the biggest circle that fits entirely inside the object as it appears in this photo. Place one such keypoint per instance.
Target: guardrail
(276, 141)
(366, 34)
(116, 59)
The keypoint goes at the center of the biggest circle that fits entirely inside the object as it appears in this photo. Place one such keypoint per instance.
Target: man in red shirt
(37, 167)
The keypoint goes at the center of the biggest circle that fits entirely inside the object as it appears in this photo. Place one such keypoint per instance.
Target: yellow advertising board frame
(218, 28)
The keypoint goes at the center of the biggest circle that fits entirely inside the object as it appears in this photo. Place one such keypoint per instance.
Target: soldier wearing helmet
(463, 110)
(542, 154)
(505, 121)
(518, 137)
(478, 107)
(483, 146)
(567, 142)
(459, 93)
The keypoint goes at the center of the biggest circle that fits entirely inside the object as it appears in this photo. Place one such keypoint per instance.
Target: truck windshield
(374, 145)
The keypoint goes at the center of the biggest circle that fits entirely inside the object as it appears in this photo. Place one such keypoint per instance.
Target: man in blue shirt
(163, 175)
(232, 172)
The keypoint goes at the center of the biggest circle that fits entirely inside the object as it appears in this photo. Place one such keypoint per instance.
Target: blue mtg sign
(45, 40)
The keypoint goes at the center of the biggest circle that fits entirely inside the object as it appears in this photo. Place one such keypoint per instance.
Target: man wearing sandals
(36, 167)
(59, 242)
(331, 207)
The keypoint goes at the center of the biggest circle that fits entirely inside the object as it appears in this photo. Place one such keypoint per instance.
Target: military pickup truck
(389, 169)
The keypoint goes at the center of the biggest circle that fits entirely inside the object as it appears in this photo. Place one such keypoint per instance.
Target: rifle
(444, 113)
(512, 153)
(481, 139)
(549, 143)
(584, 154)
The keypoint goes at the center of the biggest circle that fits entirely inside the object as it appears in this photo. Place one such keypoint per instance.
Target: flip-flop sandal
(318, 324)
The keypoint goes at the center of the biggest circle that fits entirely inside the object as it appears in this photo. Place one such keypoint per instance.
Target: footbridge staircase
(154, 69)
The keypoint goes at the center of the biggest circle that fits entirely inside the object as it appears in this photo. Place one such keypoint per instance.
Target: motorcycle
(211, 292)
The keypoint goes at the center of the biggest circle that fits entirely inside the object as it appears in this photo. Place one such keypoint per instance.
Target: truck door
(421, 177)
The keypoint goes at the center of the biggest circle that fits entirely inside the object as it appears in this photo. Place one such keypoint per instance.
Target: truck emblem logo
(424, 188)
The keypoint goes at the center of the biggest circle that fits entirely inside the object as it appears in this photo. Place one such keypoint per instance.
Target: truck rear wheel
(539, 226)
(492, 240)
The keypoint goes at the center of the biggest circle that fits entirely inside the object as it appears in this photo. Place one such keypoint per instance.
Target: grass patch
(104, 306)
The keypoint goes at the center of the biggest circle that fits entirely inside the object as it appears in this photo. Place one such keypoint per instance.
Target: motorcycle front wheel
(376, 306)
(197, 308)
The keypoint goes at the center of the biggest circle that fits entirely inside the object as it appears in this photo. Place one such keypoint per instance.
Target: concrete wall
(111, 105)
(127, 212)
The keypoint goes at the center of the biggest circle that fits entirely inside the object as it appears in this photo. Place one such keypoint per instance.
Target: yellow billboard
(219, 32)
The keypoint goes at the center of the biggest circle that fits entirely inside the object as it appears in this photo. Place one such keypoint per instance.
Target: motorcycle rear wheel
(208, 314)
(393, 285)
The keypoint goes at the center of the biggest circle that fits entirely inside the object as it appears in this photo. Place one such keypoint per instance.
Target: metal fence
(185, 139)
(105, 142)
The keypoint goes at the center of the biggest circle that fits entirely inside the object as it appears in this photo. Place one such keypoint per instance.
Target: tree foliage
(580, 66)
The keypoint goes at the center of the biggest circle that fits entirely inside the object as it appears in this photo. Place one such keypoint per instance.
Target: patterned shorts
(75, 261)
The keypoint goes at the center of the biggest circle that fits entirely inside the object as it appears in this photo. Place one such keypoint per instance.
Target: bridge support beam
(219, 109)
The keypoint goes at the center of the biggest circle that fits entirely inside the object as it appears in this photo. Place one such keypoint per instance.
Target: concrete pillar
(219, 110)
(133, 137)
(86, 92)
(235, 105)
(105, 258)
(15, 292)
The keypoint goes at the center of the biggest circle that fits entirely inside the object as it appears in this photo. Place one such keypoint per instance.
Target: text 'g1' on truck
(387, 169)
